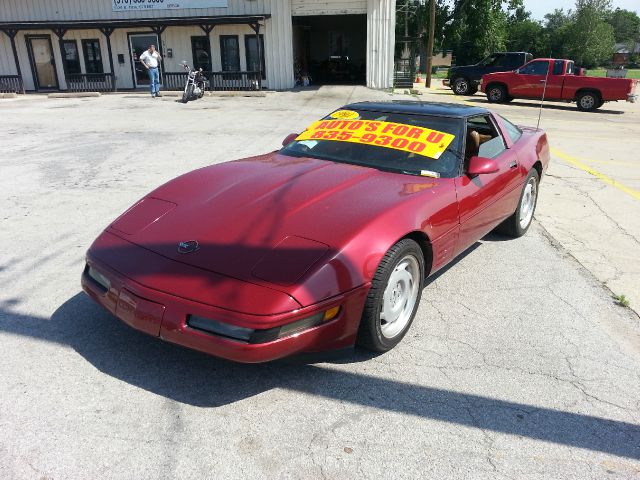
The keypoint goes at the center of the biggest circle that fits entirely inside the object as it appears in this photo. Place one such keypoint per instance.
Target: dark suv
(464, 80)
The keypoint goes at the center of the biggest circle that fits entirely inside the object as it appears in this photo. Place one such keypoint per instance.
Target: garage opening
(330, 49)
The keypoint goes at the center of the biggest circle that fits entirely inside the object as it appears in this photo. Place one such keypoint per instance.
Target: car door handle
(513, 164)
(543, 81)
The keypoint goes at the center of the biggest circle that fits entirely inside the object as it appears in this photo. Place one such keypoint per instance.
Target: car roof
(455, 110)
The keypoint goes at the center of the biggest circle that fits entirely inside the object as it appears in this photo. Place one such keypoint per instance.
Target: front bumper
(165, 316)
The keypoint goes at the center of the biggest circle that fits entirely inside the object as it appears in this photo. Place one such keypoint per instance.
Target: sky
(539, 8)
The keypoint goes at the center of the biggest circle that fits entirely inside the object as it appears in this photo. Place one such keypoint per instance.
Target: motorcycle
(196, 84)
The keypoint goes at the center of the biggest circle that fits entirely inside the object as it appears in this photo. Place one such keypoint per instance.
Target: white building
(94, 44)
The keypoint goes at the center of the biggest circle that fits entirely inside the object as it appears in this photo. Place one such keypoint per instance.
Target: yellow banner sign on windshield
(398, 136)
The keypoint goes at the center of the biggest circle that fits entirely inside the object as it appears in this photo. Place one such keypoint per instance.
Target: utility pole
(432, 28)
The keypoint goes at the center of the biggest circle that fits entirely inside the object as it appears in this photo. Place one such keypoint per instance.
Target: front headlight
(249, 335)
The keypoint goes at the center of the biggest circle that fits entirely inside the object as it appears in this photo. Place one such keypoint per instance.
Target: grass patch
(621, 300)
(602, 72)
(440, 74)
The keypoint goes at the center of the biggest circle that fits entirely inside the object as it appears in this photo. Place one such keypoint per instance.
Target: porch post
(207, 29)
(256, 28)
(107, 31)
(60, 34)
(158, 29)
(11, 33)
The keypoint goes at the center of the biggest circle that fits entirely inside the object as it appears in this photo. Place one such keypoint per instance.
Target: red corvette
(323, 244)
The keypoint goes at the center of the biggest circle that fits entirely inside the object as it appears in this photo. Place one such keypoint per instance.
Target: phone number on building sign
(121, 5)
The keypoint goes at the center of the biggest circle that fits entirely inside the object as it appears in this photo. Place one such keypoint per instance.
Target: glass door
(42, 62)
(138, 43)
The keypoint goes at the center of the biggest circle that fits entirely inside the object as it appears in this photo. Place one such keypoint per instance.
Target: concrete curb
(230, 93)
(8, 95)
(74, 95)
(236, 94)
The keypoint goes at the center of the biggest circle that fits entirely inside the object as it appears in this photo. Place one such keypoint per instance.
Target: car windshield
(396, 142)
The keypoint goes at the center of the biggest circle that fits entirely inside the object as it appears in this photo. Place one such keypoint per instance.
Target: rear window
(396, 142)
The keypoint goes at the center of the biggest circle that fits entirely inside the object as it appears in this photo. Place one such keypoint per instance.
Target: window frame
(207, 44)
(223, 53)
(85, 55)
(66, 61)
(247, 39)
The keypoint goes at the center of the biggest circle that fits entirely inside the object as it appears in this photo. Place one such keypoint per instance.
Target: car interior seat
(472, 145)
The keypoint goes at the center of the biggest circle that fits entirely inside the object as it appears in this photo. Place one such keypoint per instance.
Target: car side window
(483, 138)
(558, 67)
(535, 68)
(514, 132)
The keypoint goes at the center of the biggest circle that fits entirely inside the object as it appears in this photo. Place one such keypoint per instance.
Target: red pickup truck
(563, 82)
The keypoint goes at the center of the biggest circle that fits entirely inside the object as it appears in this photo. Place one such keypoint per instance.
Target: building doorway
(43, 64)
(331, 49)
(138, 43)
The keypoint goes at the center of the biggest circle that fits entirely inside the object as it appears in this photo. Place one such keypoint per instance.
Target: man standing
(150, 59)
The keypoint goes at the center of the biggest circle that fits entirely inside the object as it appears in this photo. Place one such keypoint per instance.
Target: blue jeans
(154, 77)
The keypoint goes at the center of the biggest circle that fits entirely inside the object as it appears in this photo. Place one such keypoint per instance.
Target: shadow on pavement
(548, 106)
(193, 378)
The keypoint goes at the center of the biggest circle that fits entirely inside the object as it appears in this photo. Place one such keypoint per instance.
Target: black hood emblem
(188, 247)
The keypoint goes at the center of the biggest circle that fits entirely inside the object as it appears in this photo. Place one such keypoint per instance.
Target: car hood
(269, 218)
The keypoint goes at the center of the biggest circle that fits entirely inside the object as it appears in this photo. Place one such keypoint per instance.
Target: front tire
(187, 94)
(497, 94)
(518, 223)
(393, 298)
(461, 86)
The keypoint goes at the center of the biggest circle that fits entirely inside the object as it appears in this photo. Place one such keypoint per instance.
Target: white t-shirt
(150, 59)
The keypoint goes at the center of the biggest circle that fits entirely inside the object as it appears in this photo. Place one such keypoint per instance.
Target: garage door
(328, 7)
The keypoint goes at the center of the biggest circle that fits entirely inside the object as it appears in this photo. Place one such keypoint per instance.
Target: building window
(71, 57)
(92, 56)
(251, 50)
(230, 53)
(201, 53)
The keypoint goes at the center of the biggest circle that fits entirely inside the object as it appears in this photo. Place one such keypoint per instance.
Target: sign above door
(126, 5)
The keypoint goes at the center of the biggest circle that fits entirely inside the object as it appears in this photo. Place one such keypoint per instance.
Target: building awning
(134, 22)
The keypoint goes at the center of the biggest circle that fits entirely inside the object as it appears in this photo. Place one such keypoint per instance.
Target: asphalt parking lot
(519, 364)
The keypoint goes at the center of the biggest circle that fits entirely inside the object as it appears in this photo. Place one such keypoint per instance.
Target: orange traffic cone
(418, 79)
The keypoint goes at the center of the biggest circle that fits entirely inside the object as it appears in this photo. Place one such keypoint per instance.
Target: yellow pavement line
(601, 176)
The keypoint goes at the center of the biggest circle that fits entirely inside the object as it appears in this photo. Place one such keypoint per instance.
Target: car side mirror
(289, 138)
(482, 166)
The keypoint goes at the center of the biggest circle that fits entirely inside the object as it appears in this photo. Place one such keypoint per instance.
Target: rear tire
(393, 298)
(497, 94)
(187, 94)
(588, 101)
(518, 223)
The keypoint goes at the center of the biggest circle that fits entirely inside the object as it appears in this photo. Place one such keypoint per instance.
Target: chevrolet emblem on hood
(188, 247)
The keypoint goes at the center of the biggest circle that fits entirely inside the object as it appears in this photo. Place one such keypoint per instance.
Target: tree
(589, 39)
(557, 24)
(477, 28)
(525, 34)
(626, 25)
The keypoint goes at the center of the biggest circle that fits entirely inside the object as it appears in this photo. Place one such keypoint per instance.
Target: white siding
(31, 10)
(328, 7)
(381, 27)
(279, 46)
